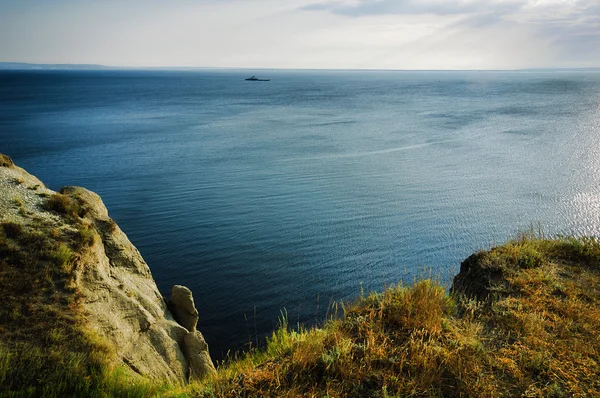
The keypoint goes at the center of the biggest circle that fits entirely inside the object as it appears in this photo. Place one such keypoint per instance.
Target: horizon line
(32, 65)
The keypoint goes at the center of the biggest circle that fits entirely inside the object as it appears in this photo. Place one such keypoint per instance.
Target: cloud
(570, 27)
(411, 7)
(398, 34)
(579, 13)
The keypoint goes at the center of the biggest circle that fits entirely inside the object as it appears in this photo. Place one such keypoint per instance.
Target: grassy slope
(46, 347)
(534, 330)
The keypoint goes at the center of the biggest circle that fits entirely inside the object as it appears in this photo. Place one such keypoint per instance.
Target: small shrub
(55, 233)
(63, 204)
(112, 226)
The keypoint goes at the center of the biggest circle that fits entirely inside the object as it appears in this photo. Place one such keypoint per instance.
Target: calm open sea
(261, 196)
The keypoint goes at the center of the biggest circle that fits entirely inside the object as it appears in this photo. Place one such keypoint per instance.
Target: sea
(274, 200)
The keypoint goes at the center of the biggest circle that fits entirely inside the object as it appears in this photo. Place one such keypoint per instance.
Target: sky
(304, 34)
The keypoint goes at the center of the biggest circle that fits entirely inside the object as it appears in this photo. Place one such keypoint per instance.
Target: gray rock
(195, 350)
(123, 303)
(182, 306)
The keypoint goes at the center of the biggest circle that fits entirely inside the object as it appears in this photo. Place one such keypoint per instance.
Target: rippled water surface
(262, 196)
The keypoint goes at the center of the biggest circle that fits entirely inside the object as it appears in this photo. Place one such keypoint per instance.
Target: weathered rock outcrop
(123, 301)
(120, 298)
(183, 308)
(196, 351)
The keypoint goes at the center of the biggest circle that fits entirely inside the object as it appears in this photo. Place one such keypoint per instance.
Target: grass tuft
(64, 205)
(85, 235)
(63, 256)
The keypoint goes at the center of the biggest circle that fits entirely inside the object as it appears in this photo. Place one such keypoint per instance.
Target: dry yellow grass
(532, 331)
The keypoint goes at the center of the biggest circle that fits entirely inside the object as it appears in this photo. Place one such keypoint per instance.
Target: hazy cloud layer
(386, 7)
(394, 34)
(571, 28)
(571, 15)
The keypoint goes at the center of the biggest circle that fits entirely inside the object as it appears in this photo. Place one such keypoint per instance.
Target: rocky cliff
(115, 291)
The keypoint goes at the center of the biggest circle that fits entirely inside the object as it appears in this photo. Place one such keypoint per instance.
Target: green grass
(26, 371)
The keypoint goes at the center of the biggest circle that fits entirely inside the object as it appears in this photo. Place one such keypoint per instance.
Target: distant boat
(256, 79)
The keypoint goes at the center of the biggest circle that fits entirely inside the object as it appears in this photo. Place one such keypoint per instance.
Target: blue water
(293, 193)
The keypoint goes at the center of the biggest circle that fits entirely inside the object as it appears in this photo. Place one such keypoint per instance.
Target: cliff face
(118, 296)
(123, 301)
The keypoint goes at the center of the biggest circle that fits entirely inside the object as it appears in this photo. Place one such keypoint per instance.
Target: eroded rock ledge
(120, 298)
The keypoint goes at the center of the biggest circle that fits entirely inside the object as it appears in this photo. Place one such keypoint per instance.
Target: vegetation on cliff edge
(533, 331)
(46, 346)
(523, 320)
